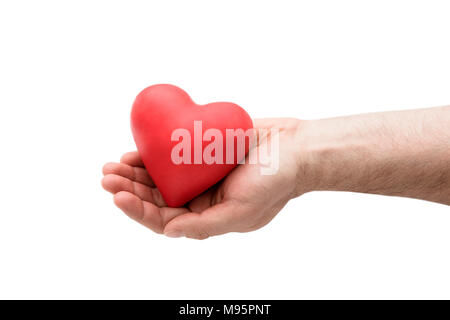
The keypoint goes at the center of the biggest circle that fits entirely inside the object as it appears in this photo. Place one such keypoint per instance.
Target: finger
(133, 159)
(205, 200)
(219, 219)
(145, 212)
(136, 174)
(115, 183)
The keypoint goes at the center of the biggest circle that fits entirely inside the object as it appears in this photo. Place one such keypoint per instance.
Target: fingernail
(174, 234)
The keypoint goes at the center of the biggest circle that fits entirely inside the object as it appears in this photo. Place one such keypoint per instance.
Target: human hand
(245, 200)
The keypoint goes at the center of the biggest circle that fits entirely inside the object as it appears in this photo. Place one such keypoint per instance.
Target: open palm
(245, 200)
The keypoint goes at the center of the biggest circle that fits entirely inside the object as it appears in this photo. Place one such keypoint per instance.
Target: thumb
(219, 219)
(264, 123)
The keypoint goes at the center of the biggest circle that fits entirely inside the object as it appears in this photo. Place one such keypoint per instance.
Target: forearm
(405, 153)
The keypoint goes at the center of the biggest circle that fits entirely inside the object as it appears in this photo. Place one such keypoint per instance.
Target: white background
(69, 72)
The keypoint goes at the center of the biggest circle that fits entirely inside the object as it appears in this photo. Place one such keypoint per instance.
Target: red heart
(159, 110)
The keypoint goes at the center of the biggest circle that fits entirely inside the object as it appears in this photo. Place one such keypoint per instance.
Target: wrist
(306, 158)
(325, 149)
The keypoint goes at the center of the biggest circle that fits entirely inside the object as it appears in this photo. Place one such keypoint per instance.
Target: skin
(404, 153)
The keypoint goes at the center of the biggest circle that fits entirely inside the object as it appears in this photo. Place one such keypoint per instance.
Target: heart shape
(164, 117)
